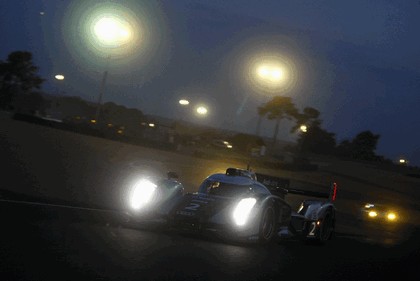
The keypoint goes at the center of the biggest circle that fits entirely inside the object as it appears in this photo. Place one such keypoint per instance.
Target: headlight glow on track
(142, 194)
(242, 211)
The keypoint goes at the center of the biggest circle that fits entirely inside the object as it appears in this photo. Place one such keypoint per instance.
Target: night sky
(358, 61)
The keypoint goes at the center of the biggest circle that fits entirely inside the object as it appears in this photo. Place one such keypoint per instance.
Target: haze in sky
(358, 62)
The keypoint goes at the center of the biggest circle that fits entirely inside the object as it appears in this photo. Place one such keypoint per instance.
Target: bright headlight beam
(242, 211)
(142, 194)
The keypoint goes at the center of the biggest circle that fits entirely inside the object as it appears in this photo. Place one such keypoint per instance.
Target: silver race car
(240, 205)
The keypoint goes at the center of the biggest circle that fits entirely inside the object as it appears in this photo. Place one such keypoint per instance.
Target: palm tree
(278, 108)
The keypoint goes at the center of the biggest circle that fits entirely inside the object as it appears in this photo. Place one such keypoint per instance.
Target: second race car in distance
(380, 214)
(235, 205)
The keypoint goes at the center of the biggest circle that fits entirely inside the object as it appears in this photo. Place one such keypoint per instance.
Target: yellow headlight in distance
(373, 214)
(391, 216)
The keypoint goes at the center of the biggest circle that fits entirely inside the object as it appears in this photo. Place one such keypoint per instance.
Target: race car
(379, 213)
(150, 196)
(237, 205)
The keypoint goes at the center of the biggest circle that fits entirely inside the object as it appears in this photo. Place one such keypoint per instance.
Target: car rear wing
(281, 187)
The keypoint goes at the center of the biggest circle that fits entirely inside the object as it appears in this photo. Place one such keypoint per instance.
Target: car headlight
(391, 216)
(242, 210)
(142, 194)
(373, 214)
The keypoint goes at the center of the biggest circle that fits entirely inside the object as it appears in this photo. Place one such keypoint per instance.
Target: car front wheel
(267, 228)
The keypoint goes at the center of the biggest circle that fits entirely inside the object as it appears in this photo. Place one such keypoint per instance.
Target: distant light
(59, 77)
(110, 125)
(202, 110)
(229, 146)
(402, 161)
(120, 132)
(41, 13)
(184, 102)
(225, 142)
(304, 128)
(151, 125)
(391, 216)
(373, 214)
(93, 121)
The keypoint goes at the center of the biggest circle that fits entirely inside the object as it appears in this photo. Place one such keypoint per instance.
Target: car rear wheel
(267, 225)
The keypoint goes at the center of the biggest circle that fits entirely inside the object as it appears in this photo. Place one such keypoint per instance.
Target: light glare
(373, 214)
(202, 110)
(111, 31)
(242, 211)
(391, 216)
(59, 77)
(304, 128)
(142, 194)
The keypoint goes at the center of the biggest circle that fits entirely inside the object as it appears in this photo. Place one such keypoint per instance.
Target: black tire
(326, 229)
(267, 228)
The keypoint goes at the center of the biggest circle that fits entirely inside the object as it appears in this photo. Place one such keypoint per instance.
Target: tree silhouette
(278, 108)
(18, 76)
(362, 147)
(317, 140)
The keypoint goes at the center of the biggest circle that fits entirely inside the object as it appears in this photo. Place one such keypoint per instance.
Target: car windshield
(223, 189)
(113, 113)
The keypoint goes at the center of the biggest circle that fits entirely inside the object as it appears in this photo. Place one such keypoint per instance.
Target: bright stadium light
(59, 77)
(202, 110)
(112, 31)
(270, 73)
(184, 102)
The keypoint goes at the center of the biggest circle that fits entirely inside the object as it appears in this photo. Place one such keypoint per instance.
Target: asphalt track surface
(93, 241)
